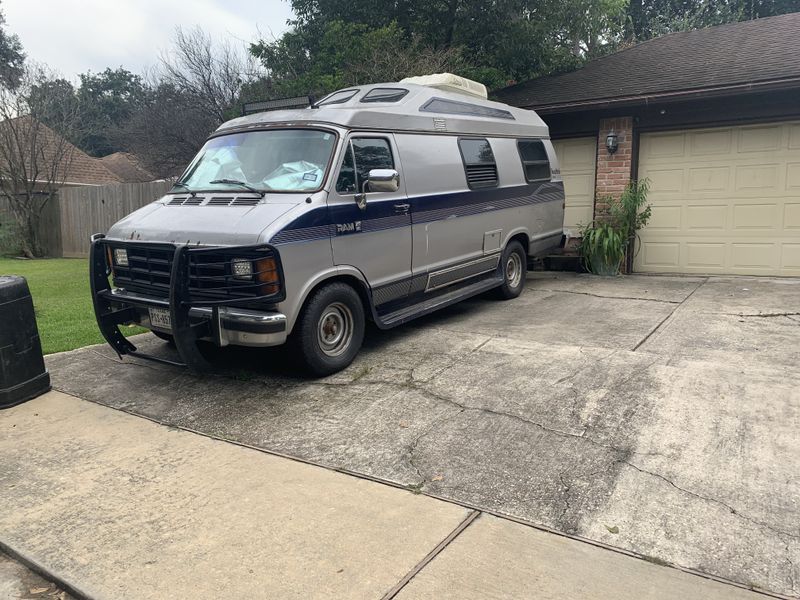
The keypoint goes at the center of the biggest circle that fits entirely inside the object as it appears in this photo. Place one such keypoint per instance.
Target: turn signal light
(266, 272)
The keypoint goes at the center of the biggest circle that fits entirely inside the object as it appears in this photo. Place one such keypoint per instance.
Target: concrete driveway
(658, 415)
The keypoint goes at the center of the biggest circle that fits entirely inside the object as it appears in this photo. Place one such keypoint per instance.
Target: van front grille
(149, 272)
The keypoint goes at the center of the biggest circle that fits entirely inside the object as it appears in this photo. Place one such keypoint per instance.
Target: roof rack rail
(249, 108)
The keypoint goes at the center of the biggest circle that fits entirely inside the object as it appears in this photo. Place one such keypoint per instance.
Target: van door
(376, 240)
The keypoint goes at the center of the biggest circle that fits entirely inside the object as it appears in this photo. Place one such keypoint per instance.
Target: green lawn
(60, 290)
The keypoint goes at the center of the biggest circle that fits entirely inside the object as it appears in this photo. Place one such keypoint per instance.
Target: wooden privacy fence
(82, 211)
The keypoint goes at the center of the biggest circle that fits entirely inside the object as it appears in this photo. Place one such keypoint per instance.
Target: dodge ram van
(382, 202)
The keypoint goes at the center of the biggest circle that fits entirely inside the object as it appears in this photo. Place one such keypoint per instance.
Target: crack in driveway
(608, 297)
(730, 508)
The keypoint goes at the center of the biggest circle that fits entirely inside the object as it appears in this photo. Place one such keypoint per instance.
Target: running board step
(428, 306)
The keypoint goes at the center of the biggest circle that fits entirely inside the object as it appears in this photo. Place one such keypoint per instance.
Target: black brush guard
(184, 332)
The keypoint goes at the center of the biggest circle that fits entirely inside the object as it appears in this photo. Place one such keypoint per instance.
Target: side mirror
(383, 180)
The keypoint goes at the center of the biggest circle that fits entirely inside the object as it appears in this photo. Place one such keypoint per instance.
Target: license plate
(159, 317)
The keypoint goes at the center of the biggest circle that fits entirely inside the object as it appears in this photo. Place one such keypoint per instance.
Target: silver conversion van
(381, 202)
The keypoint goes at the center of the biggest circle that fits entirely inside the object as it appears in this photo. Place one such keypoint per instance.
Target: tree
(210, 75)
(167, 130)
(349, 54)
(106, 101)
(34, 159)
(650, 18)
(494, 42)
(12, 57)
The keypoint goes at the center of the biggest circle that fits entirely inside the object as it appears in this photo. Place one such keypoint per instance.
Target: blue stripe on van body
(321, 222)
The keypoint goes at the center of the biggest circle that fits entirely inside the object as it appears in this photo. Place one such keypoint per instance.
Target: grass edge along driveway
(63, 303)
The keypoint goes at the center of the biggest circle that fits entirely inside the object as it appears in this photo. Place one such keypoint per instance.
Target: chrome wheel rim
(513, 270)
(335, 329)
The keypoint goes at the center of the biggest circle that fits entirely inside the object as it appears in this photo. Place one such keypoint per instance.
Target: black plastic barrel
(22, 372)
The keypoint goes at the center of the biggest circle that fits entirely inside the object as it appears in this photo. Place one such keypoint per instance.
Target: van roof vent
(450, 83)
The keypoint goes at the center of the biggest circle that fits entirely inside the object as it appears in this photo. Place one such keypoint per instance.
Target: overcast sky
(74, 36)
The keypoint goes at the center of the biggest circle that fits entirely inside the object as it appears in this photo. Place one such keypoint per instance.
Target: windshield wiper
(261, 193)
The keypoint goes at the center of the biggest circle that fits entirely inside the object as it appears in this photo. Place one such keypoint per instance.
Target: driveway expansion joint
(669, 316)
(470, 518)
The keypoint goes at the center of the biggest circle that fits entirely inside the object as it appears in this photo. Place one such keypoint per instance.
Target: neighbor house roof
(751, 54)
(126, 167)
(81, 169)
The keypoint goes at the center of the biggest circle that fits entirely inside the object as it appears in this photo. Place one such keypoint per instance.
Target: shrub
(608, 241)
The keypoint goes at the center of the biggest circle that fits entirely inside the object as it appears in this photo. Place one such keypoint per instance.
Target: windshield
(281, 160)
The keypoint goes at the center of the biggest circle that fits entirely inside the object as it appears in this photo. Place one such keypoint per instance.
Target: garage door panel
(725, 200)
(660, 254)
(577, 158)
(709, 179)
(791, 219)
(760, 138)
(794, 136)
(664, 181)
(755, 216)
(666, 218)
(662, 145)
(704, 255)
(791, 257)
(757, 178)
(753, 255)
(704, 143)
(707, 217)
(793, 176)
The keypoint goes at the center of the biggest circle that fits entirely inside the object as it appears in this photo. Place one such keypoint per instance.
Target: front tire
(330, 329)
(513, 265)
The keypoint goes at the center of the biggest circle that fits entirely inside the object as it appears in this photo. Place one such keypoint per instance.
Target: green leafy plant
(602, 248)
(609, 241)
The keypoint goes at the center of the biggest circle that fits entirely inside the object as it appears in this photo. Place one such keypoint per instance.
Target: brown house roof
(750, 54)
(80, 169)
(127, 167)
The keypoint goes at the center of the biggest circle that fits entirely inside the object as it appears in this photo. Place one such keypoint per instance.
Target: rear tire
(513, 266)
(330, 329)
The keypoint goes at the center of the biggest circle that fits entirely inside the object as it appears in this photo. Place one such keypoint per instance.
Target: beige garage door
(577, 159)
(725, 200)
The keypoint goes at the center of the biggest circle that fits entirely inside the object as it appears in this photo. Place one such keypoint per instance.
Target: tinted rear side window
(479, 162)
(534, 160)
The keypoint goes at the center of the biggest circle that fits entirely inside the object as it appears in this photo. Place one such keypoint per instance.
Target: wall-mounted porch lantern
(612, 142)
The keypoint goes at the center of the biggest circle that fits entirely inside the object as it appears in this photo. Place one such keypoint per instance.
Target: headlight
(242, 268)
(121, 257)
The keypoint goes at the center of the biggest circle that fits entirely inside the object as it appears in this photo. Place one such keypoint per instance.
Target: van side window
(363, 155)
(479, 163)
(534, 160)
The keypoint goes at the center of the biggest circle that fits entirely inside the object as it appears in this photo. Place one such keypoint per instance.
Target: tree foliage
(12, 57)
(333, 43)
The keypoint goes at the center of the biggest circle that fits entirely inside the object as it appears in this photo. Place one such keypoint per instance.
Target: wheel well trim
(520, 233)
(345, 273)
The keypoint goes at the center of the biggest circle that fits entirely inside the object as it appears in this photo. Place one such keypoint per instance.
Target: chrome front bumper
(237, 326)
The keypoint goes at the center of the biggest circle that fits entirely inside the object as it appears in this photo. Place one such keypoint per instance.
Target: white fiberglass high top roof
(405, 106)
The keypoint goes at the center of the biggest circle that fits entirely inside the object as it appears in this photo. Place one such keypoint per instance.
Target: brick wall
(613, 171)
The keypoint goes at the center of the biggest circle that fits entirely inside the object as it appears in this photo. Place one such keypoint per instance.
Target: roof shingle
(737, 53)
